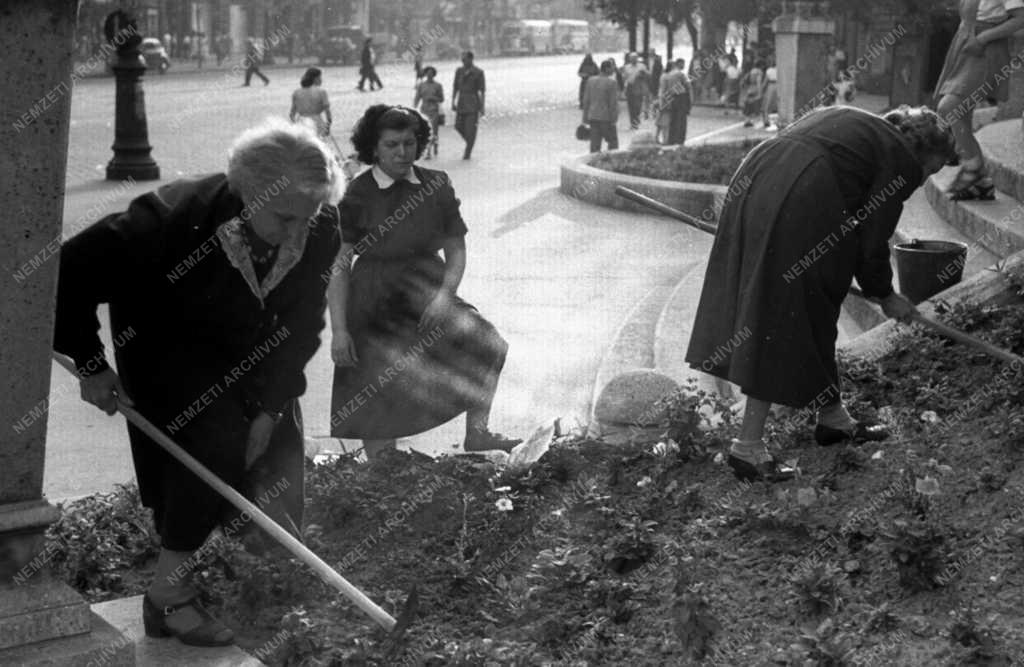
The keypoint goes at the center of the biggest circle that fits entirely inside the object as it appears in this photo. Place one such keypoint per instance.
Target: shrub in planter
(711, 163)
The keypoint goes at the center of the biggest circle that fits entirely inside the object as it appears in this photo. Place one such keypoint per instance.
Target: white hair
(278, 151)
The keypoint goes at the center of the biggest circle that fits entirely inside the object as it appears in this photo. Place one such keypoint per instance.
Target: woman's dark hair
(429, 70)
(607, 67)
(310, 77)
(759, 63)
(382, 117)
(925, 131)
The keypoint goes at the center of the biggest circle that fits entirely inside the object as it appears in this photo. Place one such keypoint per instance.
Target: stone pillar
(35, 608)
(802, 35)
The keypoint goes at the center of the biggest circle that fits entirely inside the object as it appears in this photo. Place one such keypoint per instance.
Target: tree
(625, 13)
(672, 14)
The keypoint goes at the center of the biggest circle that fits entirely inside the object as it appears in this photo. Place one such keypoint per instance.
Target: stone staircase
(991, 230)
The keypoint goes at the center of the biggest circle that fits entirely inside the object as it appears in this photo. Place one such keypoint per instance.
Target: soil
(711, 163)
(907, 552)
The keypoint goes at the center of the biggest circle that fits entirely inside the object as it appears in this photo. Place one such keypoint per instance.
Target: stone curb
(983, 288)
(1001, 144)
(597, 186)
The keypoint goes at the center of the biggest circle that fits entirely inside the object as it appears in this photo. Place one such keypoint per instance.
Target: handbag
(583, 132)
(440, 119)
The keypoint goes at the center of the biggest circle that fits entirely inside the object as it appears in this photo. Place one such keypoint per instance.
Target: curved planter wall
(597, 186)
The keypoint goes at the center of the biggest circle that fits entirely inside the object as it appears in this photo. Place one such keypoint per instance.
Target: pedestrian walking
(601, 107)
(830, 187)
(977, 67)
(636, 80)
(266, 233)
(368, 66)
(200, 51)
(252, 63)
(397, 309)
(468, 101)
(752, 87)
(770, 93)
(428, 98)
(587, 69)
(417, 64)
(676, 100)
(657, 69)
(310, 103)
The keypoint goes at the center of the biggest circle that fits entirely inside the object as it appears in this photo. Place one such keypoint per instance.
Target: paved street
(556, 276)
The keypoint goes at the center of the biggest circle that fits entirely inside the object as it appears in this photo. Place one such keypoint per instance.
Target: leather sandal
(204, 628)
(766, 471)
(972, 184)
(827, 436)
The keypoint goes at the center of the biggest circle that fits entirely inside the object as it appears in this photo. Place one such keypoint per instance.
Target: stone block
(40, 610)
(100, 646)
(632, 398)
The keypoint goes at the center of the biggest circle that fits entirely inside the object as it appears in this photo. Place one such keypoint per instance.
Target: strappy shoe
(972, 184)
(203, 628)
(826, 435)
(771, 470)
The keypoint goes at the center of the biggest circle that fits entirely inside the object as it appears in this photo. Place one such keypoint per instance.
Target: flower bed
(904, 553)
(709, 163)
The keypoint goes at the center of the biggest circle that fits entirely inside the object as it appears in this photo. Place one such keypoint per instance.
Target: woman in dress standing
(815, 210)
(977, 66)
(429, 95)
(410, 354)
(310, 103)
(588, 68)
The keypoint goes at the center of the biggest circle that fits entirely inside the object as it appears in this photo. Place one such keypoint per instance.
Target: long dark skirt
(408, 381)
(185, 508)
(770, 303)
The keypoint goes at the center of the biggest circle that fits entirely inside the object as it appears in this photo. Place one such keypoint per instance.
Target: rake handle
(943, 329)
(297, 548)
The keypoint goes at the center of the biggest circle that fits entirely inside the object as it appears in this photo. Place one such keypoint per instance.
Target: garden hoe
(943, 329)
(396, 627)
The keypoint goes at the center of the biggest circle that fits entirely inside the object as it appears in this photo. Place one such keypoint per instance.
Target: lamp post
(131, 132)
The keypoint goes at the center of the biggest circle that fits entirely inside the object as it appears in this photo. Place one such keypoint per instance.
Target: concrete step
(995, 226)
(633, 344)
(1003, 146)
(125, 615)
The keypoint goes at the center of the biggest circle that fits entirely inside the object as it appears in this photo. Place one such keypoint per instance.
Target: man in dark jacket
(368, 66)
(601, 108)
(217, 285)
(468, 100)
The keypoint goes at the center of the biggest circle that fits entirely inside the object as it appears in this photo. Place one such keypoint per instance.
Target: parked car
(341, 44)
(155, 54)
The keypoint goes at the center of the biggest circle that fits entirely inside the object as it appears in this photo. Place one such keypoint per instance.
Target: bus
(526, 37)
(570, 35)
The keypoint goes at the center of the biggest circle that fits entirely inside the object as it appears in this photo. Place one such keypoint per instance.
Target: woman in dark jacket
(809, 211)
(217, 285)
(410, 354)
(588, 68)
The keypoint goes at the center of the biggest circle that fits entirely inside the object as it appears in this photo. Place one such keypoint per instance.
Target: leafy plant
(692, 620)
(825, 646)
(632, 545)
(915, 547)
(819, 588)
(100, 537)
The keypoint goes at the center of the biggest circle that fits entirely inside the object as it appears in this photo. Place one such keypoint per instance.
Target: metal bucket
(925, 268)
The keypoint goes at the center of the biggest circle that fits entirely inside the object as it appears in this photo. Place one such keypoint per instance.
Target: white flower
(503, 489)
(930, 417)
(503, 504)
(878, 455)
(666, 447)
(646, 481)
(719, 458)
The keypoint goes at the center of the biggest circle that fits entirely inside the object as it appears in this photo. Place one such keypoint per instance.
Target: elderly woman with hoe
(814, 209)
(410, 355)
(221, 280)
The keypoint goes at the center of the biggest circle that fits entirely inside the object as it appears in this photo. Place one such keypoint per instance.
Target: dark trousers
(635, 102)
(254, 69)
(603, 129)
(465, 125)
(371, 74)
